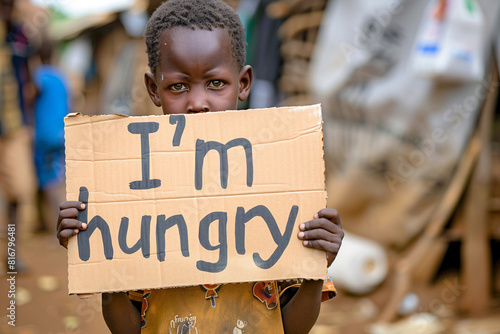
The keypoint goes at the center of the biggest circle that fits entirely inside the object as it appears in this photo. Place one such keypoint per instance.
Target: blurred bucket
(360, 266)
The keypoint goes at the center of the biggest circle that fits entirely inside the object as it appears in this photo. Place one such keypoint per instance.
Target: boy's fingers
(330, 214)
(321, 223)
(71, 204)
(70, 224)
(67, 223)
(64, 235)
(320, 234)
(330, 247)
(68, 213)
(69, 210)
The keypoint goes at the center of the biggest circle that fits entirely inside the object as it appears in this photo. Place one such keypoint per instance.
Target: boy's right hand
(68, 224)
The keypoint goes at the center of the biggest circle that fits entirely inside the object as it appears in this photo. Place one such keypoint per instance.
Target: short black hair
(201, 14)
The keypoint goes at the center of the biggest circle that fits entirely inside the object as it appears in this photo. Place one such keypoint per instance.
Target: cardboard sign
(182, 200)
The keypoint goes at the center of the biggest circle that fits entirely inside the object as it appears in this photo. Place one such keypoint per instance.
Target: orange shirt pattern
(230, 308)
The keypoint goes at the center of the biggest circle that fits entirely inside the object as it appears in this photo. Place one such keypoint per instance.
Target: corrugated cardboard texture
(142, 183)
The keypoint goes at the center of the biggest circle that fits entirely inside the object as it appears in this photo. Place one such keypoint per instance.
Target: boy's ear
(245, 81)
(152, 87)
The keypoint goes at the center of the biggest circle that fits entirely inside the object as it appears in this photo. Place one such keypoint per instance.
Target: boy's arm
(300, 313)
(120, 314)
(323, 232)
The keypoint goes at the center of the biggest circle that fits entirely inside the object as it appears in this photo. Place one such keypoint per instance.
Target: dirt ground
(43, 304)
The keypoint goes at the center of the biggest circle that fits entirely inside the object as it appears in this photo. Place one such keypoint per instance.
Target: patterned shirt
(229, 308)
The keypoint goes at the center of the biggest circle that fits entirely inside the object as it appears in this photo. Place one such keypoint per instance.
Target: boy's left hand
(323, 232)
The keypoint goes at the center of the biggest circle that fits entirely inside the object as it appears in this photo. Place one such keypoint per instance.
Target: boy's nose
(197, 102)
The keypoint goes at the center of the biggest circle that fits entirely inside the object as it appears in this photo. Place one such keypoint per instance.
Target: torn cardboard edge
(90, 295)
(316, 108)
(223, 218)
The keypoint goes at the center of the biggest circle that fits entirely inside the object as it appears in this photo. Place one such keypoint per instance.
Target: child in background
(196, 53)
(51, 106)
(17, 174)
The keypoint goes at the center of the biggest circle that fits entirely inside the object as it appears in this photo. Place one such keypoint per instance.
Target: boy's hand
(67, 223)
(323, 232)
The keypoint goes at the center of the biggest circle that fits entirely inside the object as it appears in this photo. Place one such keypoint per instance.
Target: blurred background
(409, 92)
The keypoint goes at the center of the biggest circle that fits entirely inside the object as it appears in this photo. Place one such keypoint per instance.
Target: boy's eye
(177, 87)
(216, 84)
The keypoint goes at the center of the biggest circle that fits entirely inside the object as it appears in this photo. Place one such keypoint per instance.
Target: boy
(196, 55)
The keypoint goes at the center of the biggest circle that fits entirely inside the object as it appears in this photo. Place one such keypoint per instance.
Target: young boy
(196, 55)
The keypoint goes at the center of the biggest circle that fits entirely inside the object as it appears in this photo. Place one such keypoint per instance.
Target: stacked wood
(467, 206)
(298, 35)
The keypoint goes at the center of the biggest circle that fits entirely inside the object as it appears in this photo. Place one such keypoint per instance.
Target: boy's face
(197, 73)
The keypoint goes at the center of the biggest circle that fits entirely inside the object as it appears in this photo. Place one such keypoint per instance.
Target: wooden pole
(476, 249)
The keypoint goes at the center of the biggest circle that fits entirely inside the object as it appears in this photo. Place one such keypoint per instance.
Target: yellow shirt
(229, 308)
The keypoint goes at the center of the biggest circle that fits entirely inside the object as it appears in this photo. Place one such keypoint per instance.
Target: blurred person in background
(17, 179)
(51, 106)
